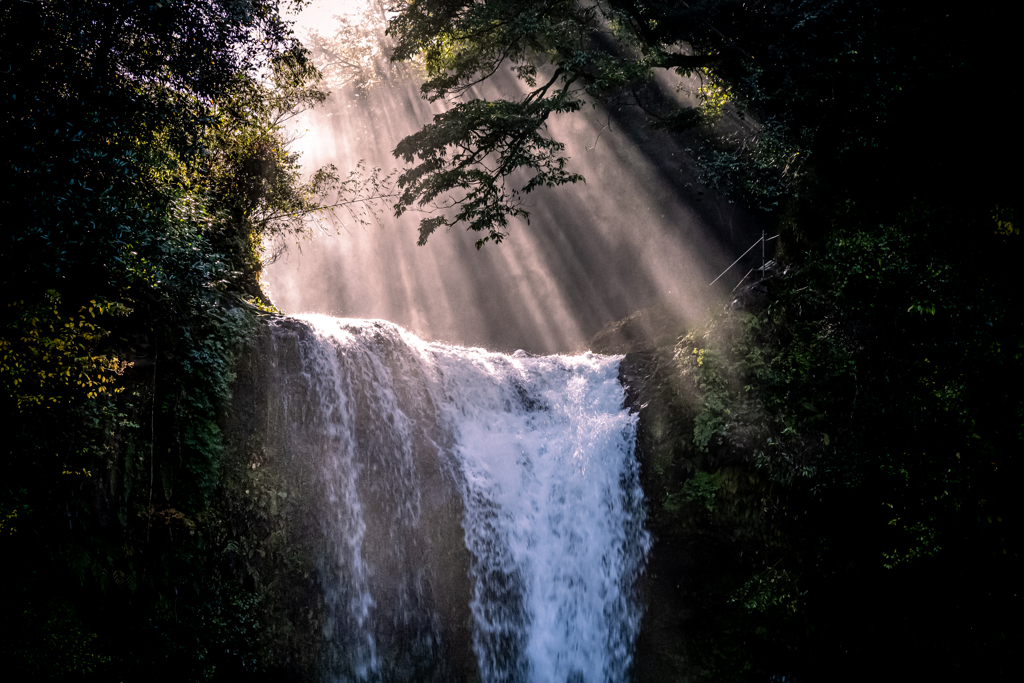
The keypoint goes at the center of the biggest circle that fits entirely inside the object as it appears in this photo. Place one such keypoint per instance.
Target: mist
(640, 232)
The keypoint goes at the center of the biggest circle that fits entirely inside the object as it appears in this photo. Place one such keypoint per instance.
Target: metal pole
(760, 239)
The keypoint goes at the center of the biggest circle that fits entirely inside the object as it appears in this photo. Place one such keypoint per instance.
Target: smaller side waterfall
(482, 512)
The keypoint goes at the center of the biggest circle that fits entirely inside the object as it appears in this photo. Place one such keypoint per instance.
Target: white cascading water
(541, 450)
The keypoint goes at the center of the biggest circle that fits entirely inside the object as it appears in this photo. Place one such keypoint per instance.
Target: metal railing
(764, 264)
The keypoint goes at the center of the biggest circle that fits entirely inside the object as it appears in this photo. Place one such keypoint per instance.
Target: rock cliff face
(664, 432)
(702, 513)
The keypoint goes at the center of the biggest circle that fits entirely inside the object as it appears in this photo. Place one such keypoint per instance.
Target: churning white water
(541, 452)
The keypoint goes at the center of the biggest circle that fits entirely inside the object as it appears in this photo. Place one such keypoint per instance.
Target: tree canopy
(840, 88)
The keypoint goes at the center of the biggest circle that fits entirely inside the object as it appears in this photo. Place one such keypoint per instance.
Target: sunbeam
(638, 232)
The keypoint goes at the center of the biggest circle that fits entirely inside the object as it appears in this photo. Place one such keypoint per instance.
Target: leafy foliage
(453, 151)
(840, 439)
(148, 181)
(48, 359)
(476, 147)
(791, 94)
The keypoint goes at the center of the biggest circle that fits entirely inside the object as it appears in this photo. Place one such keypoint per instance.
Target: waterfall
(482, 512)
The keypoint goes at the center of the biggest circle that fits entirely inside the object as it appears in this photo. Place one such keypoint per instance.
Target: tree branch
(688, 62)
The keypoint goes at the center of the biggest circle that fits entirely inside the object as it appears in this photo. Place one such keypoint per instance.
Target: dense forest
(146, 181)
(829, 460)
